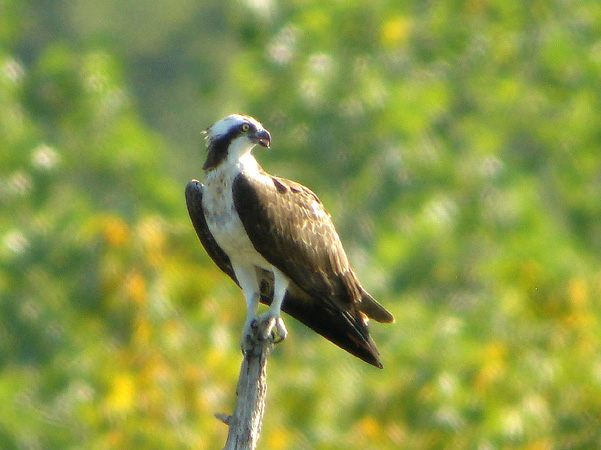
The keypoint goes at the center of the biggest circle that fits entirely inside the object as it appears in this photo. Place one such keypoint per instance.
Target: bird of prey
(275, 239)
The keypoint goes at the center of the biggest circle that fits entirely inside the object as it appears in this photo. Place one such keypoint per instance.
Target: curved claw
(281, 331)
(276, 335)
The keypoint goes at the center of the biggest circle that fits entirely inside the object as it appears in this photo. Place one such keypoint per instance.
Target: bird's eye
(245, 127)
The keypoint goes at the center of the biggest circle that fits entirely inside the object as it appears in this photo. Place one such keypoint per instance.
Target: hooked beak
(262, 137)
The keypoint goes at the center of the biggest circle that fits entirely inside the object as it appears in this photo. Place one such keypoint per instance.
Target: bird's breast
(224, 222)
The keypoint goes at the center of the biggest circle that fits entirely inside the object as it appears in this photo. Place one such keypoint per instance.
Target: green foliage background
(456, 143)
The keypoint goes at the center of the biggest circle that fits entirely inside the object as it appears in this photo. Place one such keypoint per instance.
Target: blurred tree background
(456, 143)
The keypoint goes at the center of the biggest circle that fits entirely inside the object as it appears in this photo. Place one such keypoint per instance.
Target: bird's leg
(252, 302)
(247, 279)
(272, 318)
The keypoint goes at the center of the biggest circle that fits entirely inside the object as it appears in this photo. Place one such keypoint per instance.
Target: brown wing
(289, 226)
(291, 229)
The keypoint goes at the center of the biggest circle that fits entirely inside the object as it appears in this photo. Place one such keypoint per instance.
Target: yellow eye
(245, 127)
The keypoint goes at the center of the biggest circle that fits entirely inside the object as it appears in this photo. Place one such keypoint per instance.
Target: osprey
(275, 239)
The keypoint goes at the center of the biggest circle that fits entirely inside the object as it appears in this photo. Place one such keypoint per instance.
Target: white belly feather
(223, 220)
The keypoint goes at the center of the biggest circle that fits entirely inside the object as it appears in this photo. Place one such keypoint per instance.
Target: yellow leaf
(116, 231)
(494, 355)
(152, 235)
(577, 292)
(278, 439)
(369, 427)
(121, 396)
(135, 286)
(395, 31)
(542, 444)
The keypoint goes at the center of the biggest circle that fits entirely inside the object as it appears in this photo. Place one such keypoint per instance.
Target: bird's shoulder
(274, 191)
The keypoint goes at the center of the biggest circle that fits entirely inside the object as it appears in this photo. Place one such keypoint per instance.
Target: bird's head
(233, 137)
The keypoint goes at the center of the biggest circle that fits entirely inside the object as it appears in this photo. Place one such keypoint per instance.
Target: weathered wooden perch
(245, 423)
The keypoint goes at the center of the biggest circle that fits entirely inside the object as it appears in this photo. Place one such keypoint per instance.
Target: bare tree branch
(245, 423)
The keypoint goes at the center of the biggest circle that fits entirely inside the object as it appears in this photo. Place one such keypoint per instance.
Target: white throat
(237, 161)
(239, 153)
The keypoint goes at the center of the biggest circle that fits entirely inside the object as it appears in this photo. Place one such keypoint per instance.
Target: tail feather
(372, 309)
(349, 333)
(347, 330)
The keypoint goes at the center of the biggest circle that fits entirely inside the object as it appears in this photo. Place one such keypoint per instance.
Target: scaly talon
(279, 334)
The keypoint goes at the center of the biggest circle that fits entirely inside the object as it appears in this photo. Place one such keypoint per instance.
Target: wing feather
(289, 226)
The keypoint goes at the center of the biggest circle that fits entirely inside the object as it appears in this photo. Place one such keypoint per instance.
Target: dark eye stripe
(218, 147)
